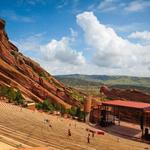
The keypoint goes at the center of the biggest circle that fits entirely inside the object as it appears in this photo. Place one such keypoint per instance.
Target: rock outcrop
(127, 94)
(20, 72)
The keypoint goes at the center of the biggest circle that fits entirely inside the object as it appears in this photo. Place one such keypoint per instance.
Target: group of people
(69, 133)
(88, 136)
(47, 121)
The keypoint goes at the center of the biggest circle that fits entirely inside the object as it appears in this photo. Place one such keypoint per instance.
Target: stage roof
(129, 104)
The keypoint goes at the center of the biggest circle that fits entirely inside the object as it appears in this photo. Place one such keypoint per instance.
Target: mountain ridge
(104, 78)
(122, 82)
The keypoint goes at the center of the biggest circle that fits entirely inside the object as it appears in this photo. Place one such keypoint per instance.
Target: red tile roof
(129, 104)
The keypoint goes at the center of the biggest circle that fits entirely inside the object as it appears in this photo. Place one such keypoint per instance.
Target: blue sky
(82, 36)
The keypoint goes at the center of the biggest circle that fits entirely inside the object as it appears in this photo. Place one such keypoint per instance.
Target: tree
(63, 110)
(39, 105)
(57, 106)
(45, 105)
(80, 114)
(11, 94)
(73, 111)
(78, 111)
(51, 107)
(19, 98)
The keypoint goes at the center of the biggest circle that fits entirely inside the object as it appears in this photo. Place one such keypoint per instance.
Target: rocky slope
(20, 72)
(128, 94)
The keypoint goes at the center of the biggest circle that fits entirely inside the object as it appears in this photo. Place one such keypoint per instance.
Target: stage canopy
(129, 104)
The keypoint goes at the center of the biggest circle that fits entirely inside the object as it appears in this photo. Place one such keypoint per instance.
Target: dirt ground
(4, 146)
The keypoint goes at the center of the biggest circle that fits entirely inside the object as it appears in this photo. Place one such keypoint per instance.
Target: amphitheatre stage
(22, 128)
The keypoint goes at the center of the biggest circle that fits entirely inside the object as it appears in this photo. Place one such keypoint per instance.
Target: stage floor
(125, 129)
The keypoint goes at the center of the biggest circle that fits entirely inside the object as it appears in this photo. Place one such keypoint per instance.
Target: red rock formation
(128, 94)
(20, 72)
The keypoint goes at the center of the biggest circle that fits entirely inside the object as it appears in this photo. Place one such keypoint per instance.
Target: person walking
(50, 125)
(69, 132)
(88, 138)
(93, 134)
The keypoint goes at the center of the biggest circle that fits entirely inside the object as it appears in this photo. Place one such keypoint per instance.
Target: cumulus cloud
(128, 28)
(74, 34)
(60, 50)
(145, 35)
(108, 53)
(137, 5)
(111, 50)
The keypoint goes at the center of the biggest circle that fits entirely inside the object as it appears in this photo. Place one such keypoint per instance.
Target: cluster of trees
(48, 106)
(15, 96)
(12, 95)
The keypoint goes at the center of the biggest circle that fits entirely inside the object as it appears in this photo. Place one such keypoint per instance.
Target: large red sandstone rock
(29, 77)
(128, 94)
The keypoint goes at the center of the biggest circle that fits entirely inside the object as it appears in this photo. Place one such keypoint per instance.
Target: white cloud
(62, 4)
(107, 5)
(61, 51)
(110, 50)
(110, 53)
(31, 2)
(74, 35)
(56, 56)
(137, 5)
(145, 35)
(127, 27)
(31, 43)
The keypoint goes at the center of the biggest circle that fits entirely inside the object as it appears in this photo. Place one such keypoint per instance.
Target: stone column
(87, 108)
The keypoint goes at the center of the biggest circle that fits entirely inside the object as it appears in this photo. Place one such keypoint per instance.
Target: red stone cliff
(20, 72)
(127, 94)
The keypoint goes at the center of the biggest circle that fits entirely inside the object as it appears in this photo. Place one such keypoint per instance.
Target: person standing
(88, 138)
(69, 132)
(93, 134)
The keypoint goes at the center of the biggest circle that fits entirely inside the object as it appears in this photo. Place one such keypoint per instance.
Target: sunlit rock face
(21, 72)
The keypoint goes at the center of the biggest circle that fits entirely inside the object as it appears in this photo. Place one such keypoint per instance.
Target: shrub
(80, 114)
(57, 106)
(46, 106)
(19, 98)
(73, 111)
(12, 95)
(39, 106)
(42, 74)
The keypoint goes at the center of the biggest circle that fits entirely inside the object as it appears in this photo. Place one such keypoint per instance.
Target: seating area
(23, 128)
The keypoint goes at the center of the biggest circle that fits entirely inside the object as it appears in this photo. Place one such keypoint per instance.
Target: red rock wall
(128, 94)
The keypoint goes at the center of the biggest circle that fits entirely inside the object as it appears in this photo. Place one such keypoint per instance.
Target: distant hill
(87, 82)
(73, 81)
